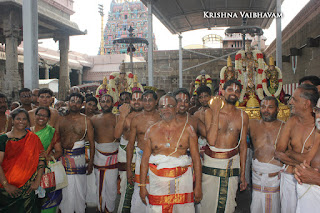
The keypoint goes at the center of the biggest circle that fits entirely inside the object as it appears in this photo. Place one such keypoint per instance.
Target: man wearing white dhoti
(122, 131)
(264, 135)
(138, 128)
(226, 135)
(170, 173)
(105, 160)
(308, 176)
(73, 128)
(298, 137)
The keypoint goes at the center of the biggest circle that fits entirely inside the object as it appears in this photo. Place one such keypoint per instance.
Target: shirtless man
(183, 102)
(91, 106)
(226, 134)
(73, 129)
(91, 196)
(25, 97)
(308, 175)
(165, 157)
(6, 121)
(265, 169)
(122, 131)
(44, 99)
(297, 137)
(105, 159)
(204, 95)
(138, 128)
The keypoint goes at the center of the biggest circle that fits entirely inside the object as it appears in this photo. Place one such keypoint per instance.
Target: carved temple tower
(122, 15)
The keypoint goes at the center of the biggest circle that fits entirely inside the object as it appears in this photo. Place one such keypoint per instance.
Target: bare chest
(301, 138)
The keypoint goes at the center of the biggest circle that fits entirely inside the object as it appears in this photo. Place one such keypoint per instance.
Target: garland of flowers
(258, 56)
(223, 81)
(265, 86)
(198, 81)
(113, 91)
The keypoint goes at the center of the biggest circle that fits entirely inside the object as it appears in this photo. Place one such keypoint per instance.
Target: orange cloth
(21, 159)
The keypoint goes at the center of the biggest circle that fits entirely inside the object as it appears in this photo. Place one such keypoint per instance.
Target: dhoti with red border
(106, 172)
(171, 186)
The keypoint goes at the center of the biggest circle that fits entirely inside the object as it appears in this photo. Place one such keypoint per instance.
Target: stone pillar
(150, 46)
(80, 72)
(30, 43)
(279, 37)
(180, 61)
(46, 71)
(64, 80)
(12, 79)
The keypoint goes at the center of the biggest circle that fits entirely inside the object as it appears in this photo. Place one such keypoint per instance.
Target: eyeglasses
(41, 115)
(25, 96)
(316, 110)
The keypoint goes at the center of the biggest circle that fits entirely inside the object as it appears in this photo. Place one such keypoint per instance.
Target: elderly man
(265, 169)
(165, 157)
(308, 176)
(226, 134)
(297, 137)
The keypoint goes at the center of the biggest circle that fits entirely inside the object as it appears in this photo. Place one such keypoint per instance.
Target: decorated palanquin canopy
(257, 79)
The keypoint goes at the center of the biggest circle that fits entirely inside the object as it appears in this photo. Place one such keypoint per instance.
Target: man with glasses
(308, 176)
(45, 100)
(170, 168)
(138, 128)
(298, 136)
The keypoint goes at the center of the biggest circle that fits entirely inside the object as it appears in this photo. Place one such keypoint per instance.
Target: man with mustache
(105, 159)
(308, 176)
(265, 169)
(298, 137)
(73, 129)
(183, 102)
(122, 131)
(138, 127)
(25, 97)
(226, 134)
(170, 168)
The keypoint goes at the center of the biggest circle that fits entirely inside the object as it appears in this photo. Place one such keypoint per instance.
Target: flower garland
(265, 86)
(223, 81)
(113, 91)
(258, 56)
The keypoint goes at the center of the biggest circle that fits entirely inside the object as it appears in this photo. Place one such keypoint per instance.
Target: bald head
(74, 89)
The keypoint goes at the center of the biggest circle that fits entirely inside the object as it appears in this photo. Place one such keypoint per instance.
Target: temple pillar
(64, 80)
(150, 46)
(46, 71)
(278, 37)
(12, 79)
(80, 72)
(180, 61)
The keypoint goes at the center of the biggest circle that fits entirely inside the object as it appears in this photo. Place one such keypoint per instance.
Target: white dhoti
(308, 198)
(106, 172)
(92, 196)
(137, 206)
(288, 193)
(220, 178)
(74, 195)
(122, 160)
(266, 190)
(171, 184)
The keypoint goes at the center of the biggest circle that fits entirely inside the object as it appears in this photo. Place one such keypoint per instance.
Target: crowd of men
(177, 152)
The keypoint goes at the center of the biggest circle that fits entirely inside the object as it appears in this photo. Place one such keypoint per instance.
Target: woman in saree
(50, 141)
(21, 166)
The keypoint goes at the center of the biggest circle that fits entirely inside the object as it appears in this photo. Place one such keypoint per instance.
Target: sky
(87, 17)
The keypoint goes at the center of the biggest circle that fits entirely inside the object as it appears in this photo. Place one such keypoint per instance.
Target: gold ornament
(229, 62)
(271, 61)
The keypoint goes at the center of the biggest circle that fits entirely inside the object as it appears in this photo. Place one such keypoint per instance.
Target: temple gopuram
(122, 15)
